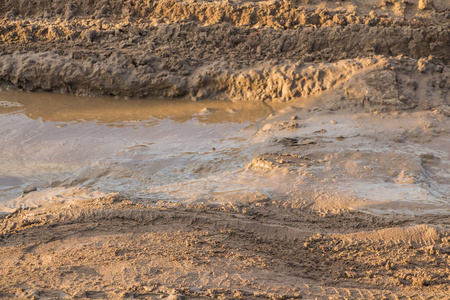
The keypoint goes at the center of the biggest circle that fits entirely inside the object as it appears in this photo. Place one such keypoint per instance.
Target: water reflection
(122, 112)
(135, 146)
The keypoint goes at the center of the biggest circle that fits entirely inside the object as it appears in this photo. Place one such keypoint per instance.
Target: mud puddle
(301, 154)
(141, 148)
(221, 194)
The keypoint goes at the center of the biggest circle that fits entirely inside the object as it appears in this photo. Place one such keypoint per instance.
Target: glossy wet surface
(60, 148)
(127, 145)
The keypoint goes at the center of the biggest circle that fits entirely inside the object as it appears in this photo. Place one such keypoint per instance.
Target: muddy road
(225, 149)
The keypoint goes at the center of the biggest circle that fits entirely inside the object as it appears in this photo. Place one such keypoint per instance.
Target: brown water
(134, 146)
(49, 107)
(178, 150)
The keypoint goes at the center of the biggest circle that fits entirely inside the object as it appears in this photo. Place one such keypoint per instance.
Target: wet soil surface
(300, 201)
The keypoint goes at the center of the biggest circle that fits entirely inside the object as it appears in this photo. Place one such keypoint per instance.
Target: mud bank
(208, 49)
(397, 82)
(195, 42)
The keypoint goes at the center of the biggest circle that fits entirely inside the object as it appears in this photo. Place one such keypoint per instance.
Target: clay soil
(383, 62)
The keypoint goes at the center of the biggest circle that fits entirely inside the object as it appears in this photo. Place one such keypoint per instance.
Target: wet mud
(253, 149)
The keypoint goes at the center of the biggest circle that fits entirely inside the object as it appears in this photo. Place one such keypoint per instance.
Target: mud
(306, 202)
(208, 49)
(315, 165)
(370, 81)
(113, 248)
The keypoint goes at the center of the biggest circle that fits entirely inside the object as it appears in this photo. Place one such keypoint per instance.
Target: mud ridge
(190, 43)
(371, 81)
(277, 14)
(199, 48)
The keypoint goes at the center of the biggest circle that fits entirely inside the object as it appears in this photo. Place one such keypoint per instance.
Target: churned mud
(243, 50)
(314, 165)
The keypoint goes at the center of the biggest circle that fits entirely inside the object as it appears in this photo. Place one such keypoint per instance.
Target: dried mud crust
(109, 247)
(206, 49)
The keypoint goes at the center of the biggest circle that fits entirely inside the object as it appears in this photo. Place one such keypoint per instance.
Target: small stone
(333, 122)
(425, 4)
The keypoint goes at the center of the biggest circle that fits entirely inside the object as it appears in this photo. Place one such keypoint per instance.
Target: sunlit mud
(223, 152)
(224, 149)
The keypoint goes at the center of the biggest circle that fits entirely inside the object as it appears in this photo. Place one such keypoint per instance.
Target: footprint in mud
(295, 142)
(437, 173)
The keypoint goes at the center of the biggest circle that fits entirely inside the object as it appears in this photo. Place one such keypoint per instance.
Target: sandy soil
(111, 248)
(339, 190)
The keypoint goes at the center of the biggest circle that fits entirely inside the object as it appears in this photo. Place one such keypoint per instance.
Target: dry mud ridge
(371, 55)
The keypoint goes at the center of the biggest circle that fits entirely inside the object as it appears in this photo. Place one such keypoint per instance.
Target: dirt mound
(202, 48)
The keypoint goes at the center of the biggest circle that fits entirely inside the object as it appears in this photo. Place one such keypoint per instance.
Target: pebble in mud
(29, 189)
(425, 4)
(205, 111)
(7, 104)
